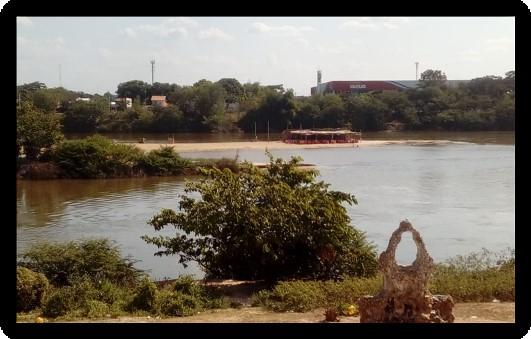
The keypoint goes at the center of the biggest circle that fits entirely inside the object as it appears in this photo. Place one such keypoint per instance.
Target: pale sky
(97, 53)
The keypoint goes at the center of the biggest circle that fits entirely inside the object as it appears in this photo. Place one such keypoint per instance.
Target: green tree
(167, 119)
(45, 100)
(25, 92)
(366, 112)
(268, 224)
(233, 89)
(277, 108)
(134, 89)
(84, 117)
(209, 104)
(432, 77)
(36, 130)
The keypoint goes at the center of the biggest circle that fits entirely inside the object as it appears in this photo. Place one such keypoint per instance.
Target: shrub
(230, 163)
(273, 224)
(31, 289)
(145, 295)
(186, 284)
(97, 157)
(172, 303)
(64, 300)
(304, 296)
(479, 276)
(97, 309)
(96, 259)
(86, 299)
(164, 161)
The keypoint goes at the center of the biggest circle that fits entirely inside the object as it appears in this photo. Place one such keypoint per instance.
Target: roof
(158, 98)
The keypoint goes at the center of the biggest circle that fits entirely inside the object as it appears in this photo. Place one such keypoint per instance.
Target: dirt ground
(464, 313)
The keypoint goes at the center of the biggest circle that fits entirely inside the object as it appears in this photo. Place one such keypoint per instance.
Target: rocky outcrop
(405, 296)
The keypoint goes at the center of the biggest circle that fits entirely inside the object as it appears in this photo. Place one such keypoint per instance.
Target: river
(459, 195)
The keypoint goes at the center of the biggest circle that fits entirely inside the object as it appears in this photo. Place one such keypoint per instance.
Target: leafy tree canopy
(268, 224)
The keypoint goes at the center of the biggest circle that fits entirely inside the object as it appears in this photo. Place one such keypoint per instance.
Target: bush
(96, 259)
(172, 303)
(96, 309)
(222, 163)
(304, 296)
(145, 295)
(97, 157)
(186, 284)
(62, 301)
(31, 289)
(479, 276)
(273, 224)
(164, 161)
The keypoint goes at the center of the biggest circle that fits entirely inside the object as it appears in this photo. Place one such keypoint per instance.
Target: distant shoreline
(270, 145)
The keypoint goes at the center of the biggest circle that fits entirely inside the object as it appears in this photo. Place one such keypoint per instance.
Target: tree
(233, 89)
(84, 117)
(277, 108)
(209, 104)
(36, 130)
(133, 89)
(432, 77)
(45, 100)
(162, 88)
(271, 224)
(25, 92)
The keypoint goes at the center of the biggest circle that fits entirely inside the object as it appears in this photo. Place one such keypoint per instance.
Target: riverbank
(463, 312)
(270, 145)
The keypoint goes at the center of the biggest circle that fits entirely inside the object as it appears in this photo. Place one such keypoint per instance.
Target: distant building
(361, 86)
(83, 99)
(159, 101)
(127, 102)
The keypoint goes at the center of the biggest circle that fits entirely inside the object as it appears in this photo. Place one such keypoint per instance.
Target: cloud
(499, 44)
(167, 28)
(286, 30)
(105, 52)
(470, 55)
(374, 23)
(214, 33)
(24, 21)
(41, 48)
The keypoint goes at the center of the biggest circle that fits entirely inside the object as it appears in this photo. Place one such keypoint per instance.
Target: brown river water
(459, 195)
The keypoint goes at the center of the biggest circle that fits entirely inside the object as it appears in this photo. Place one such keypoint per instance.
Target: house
(83, 99)
(159, 101)
(125, 102)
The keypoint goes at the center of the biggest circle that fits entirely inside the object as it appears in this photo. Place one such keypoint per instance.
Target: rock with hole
(405, 296)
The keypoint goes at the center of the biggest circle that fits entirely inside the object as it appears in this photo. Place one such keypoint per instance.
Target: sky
(95, 54)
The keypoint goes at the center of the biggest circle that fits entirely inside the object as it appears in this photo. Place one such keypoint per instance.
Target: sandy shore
(270, 145)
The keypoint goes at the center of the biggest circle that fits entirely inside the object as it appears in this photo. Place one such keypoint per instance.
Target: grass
(82, 291)
(477, 277)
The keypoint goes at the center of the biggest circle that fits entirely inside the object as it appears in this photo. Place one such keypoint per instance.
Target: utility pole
(267, 130)
(152, 71)
(255, 136)
(60, 80)
(416, 70)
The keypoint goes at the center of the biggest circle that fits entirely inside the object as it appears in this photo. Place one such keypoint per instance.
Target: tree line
(485, 103)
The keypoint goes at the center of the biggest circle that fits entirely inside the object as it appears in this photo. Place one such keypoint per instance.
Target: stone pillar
(405, 296)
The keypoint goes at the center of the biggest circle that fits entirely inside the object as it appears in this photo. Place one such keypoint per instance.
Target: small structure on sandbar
(405, 297)
(320, 136)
